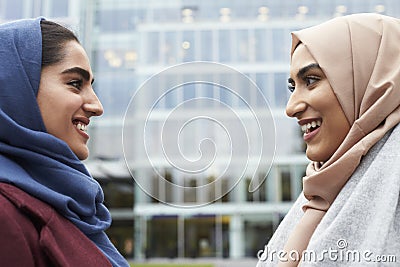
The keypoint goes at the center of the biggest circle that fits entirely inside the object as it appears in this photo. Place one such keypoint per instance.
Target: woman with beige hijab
(345, 83)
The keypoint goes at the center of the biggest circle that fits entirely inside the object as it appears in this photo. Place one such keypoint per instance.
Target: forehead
(301, 57)
(75, 56)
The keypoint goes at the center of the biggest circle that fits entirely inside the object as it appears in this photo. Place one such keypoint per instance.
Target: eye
(310, 80)
(76, 83)
(291, 85)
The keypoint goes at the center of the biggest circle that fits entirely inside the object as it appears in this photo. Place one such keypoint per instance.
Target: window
(59, 8)
(118, 20)
(153, 47)
(263, 45)
(121, 234)
(170, 48)
(162, 233)
(280, 89)
(200, 236)
(242, 45)
(188, 46)
(207, 49)
(190, 190)
(254, 240)
(263, 81)
(225, 44)
(14, 9)
(261, 194)
(281, 47)
(286, 185)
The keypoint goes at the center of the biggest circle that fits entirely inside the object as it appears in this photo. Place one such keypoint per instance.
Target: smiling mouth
(80, 125)
(311, 126)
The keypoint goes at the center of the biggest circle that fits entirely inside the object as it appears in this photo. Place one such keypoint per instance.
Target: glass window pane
(263, 45)
(286, 185)
(280, 88)
(59, 8)
(263, 83)
(255, 240)
(121, 235)
(14, 9)
(162, 233)
(188, 46)
(153, 47)
(281, 45)
(200, 236)
(206, 46)
(118, 194)
(190, 190)
(242, 45)
(170, 48)
(224, 42)
(114, 104)
(117, 20)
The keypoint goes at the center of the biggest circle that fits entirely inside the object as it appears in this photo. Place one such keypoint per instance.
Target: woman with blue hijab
(51, 209)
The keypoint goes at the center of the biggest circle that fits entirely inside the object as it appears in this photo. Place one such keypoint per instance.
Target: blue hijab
(30, 158)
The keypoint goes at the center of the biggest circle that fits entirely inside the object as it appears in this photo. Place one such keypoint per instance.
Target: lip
(85, 135)
(308, 136)
(83, 120)
(308, 120)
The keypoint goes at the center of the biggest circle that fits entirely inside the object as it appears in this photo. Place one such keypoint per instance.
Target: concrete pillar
(236, 237)
(181, 236)
(140, 238)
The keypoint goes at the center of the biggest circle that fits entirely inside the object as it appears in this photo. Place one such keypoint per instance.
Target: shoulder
(37, 230)
(19, 243)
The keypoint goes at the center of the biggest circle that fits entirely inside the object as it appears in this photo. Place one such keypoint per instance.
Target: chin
(83, 157)
(316, 156)
(82, 154)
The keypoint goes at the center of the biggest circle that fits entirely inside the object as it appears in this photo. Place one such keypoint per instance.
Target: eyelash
(291, 87)
(76, 83)
(307, 80)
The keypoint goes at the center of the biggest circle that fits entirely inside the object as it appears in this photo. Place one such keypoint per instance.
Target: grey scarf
(362, 226)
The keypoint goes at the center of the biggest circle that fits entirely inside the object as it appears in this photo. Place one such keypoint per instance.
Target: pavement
(248, 262)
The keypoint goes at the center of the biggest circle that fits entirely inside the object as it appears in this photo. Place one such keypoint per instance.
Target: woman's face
(315, 106)
(66, 99)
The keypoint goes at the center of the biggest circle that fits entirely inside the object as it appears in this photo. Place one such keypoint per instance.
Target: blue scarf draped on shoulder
(30, 158)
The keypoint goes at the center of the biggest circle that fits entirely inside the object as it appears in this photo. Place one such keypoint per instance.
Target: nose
(296, 105)
(93, 105)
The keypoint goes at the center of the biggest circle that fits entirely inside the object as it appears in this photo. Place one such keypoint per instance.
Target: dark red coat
(32, 233)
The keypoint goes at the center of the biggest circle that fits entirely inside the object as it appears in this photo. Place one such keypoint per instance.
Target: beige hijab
(360, 55)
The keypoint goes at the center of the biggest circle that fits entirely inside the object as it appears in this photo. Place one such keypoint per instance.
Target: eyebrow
(304, 70)
(84, 73)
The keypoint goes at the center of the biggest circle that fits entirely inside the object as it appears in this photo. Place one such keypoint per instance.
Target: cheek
(72, 104)
(340, 127)
(336, 132)
(57, 113)
(338, 119)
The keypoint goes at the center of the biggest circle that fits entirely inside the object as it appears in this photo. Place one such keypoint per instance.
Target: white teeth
(81, 127)
(310, 125)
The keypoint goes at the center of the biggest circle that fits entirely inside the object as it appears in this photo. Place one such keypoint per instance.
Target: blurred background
(128, 41)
